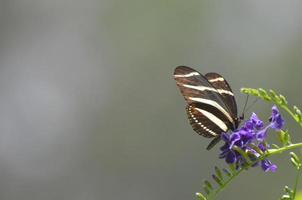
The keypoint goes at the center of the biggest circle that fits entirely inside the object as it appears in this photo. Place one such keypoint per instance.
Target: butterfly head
(238, 120)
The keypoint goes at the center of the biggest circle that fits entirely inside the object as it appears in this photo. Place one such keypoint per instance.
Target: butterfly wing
(224, 90)
(205, 123)
(207, 112)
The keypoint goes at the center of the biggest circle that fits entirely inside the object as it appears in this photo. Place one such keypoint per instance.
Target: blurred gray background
(89, 109)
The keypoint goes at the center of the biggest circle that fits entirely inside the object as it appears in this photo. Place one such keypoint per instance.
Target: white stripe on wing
(186, 75)
(216, 79)
(215, 104)
(203, 88)
(214, 119)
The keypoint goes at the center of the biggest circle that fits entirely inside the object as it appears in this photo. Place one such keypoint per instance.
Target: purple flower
(276, 120)
(226, 150)
(261, 134)
(252, 133)
(256, 121)
(267, 165)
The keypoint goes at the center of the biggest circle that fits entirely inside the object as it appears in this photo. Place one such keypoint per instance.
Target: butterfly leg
(213, 142)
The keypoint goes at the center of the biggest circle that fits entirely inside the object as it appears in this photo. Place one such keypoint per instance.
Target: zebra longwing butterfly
(211, 108)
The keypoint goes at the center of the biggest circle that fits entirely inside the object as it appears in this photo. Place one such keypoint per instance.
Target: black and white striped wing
(224, 90)
(207, 112)
(204, 122)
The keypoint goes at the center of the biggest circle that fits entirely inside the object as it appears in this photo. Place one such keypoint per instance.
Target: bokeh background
(89, 109)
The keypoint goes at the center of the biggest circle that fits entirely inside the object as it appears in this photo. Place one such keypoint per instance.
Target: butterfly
(211, 105)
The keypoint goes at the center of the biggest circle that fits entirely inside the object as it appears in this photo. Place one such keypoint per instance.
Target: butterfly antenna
(245, 104)
(252, 104)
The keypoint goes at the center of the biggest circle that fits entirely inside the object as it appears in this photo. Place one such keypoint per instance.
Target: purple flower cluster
(251, 134)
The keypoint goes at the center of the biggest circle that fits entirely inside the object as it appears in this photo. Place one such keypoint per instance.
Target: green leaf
(288, 194)
(218, 173)
(294, 156)
(208, 184)
(295, 164)
(254, 147)
(287, 189)
(286, 197)
(264, 94)
(244, 154)
(275, 146)
(273, 95)
(279, 100)
(232, 168)
(283, 100)
(206, 189)
(227, 173)
(200, 196)
(295, 160)
(284, 137)
(217, 180)
(298, 113)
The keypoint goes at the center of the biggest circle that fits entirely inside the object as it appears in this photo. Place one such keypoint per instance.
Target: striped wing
(204, 122)
(207, 112)
(225, 91)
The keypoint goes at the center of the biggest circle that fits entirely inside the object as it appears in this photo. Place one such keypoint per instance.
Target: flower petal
(277, 121)
(252, 133)
(261, 135)
(266, 165)
(234, 138)
(225, 137)
(230, 157)
(256, 121)
(248, 125)
(262, 146)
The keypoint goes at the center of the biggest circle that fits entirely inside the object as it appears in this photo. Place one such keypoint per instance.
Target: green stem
(267, 154)
(280, 150)
(214, 194)
(297, 181)
(271, 96)
(291, 113)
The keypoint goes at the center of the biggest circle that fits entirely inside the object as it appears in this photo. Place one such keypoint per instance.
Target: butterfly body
(211, 105)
